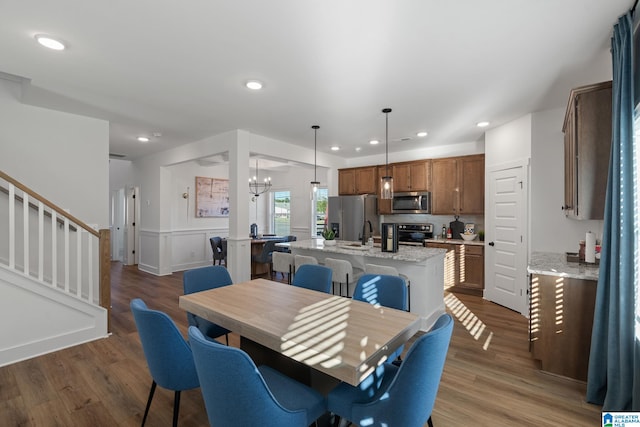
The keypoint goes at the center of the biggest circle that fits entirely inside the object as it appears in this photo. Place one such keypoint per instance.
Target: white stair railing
(52, 246)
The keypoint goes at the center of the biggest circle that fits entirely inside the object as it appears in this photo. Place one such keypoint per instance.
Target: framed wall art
(212, 197)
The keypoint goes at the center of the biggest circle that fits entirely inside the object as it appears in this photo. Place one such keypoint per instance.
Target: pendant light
(315, 184)
(257, 188)
(386, 182)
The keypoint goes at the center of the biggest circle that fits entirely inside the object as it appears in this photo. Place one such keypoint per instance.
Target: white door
(505, 234)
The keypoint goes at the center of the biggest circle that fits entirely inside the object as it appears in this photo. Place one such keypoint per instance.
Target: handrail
(103, 236)
(51, 205)
(35, 208)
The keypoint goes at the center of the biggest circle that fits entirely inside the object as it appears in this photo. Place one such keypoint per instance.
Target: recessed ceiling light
(254, 85)
(421, 134)
(143, 139)
(358, 148)
(335, 148)
(374, 142)
(50, 42)
(482, 124)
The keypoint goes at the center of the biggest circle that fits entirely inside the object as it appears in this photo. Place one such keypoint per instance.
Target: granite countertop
(555, 264)
(405, 253)
(475, 242)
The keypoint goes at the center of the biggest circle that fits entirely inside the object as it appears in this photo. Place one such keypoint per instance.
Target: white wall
(551, 231)
(63, 157)
(121, 174)
(508, 143)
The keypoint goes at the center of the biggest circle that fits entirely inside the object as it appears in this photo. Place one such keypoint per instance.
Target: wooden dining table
(319, 334)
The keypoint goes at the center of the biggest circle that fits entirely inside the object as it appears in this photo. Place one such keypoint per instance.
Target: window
(281, 208)
(319, 209)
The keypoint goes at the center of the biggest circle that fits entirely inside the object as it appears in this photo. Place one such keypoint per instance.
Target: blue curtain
(614, 364)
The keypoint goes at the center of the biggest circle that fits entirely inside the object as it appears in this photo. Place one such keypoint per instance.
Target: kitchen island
(423, 266)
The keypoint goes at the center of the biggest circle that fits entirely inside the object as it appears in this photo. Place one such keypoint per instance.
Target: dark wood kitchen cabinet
(561, 319)
(463, 267)
(357, 181)
(411, 176)
(458, 185)
(587, 145)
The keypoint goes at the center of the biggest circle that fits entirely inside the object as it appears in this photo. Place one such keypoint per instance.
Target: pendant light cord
(386, 141)
(386, 112)
(315, 182)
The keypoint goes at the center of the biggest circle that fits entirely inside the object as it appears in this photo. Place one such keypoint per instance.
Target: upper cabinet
(458, 185)
(412, 176)
(587, 144)
(357, 181)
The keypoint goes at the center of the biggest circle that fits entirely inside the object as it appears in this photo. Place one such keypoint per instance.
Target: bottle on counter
(449, 233)
(444, 231)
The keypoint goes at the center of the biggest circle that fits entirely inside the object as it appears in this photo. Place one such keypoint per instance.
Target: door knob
(491, 244)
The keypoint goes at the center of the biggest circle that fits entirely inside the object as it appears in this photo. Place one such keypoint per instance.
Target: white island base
(423, 266)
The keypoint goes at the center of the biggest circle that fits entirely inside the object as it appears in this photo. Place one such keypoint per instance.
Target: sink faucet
(364, 231)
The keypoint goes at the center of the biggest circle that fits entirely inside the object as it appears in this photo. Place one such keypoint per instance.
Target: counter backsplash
(436, 220)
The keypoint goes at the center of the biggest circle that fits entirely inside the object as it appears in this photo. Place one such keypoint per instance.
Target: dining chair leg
(146, 411)
(176, 408)
(347, 285)
(429, 422)
(226, 337)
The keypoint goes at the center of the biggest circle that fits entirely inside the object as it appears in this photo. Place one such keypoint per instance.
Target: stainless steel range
(414, 234)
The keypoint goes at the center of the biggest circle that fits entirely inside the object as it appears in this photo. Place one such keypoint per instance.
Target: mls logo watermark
(621, 419)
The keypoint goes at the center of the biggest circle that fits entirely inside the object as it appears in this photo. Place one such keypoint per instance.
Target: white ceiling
(178, 67)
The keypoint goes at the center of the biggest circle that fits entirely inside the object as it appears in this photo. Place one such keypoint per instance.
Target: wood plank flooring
(489, 379)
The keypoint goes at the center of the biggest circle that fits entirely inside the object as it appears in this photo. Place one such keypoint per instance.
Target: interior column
(239, 243)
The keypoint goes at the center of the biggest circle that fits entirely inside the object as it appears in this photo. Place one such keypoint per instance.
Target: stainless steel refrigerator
(354, 218)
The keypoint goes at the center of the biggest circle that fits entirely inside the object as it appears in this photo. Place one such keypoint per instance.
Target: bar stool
(304, 259)
(389, 271)
(283, 262)
(299, 260)
(343, 272)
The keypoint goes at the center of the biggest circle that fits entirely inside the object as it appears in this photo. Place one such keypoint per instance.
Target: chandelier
(257, 188)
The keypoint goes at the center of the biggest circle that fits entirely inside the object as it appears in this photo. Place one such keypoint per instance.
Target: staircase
(54, 276)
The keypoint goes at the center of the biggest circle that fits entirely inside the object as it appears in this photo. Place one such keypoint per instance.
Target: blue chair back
(264, 257)
(168, 354)
(315, 277)
(203, 279)
(405, 396)
(384, 290)
(235, 392)
(388, 291)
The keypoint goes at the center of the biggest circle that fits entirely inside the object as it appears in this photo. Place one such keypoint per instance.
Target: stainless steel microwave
(411, 203)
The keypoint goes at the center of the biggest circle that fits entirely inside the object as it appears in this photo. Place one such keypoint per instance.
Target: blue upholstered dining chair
(168, 354)
(384, 290)
(203, 279)
(265, 256)
(236, 393)
(398, 396)
(312, 276)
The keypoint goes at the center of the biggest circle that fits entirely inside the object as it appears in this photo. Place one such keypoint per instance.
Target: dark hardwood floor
(489, 377)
